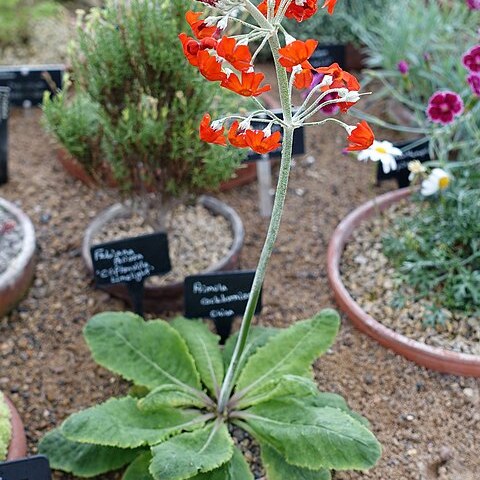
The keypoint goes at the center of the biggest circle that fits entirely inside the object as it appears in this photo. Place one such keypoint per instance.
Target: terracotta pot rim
(15, 280)
(18, 442)
(214, 205)
(435, 358)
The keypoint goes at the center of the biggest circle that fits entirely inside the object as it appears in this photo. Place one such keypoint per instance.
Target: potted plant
(429, 312)
(128, 116)
(17, 255)
(13, 444)
(175, 423)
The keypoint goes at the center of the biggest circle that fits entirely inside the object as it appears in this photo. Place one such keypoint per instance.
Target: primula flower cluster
(229, 61)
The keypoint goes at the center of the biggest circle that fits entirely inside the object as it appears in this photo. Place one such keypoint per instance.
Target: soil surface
(371, 279)
(427, 422)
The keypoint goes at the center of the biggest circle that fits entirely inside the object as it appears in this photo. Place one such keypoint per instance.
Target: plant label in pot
(220, 297)
(131, 261)
(4, 98)
(412, 150)
(325, 55)
(33, 468)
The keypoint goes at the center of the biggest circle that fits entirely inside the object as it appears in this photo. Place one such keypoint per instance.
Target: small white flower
(438, 179)
(416, 168)
(384, 152)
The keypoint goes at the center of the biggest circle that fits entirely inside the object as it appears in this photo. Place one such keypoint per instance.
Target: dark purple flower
(473, 4)
(474, 81)
(403, 67)
(443, 107)
(472, 59)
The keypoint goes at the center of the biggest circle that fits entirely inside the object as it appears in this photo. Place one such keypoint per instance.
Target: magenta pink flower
(443, 107)
(403, 67)
(474, 81)
(472, 59)
(473, 4)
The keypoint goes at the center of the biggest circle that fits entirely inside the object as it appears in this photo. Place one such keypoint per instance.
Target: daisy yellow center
(381, 149)
(443, 183)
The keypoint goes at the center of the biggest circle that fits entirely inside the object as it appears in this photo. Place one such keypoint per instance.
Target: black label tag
(131, 260)
(412, 150)
(28, 82)
(4, 96)
(325, 55)
(298, 139)
(33, 468)
(218, 295)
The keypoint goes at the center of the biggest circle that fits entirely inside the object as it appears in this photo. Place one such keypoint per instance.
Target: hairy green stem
(281, 192)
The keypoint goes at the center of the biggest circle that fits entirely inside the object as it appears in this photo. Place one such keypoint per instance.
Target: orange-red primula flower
(361, 137)
(238, 56)
(191, 46)
(209, 67)
(261, 144)
(199, 27)
(298, 12)
(341, 78)
(209, 134)
(330, 5)
(297, 52)
(237, 137)
(248, 86)
(303, 79)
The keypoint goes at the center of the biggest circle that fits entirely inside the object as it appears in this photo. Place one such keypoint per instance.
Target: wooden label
(33, 468)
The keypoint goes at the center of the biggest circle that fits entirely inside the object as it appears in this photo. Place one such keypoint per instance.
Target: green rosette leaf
(204, 347)
(83, 459)
(138, 469)
(120, 423)
(147, 353)
(170, 396)
(190, 454)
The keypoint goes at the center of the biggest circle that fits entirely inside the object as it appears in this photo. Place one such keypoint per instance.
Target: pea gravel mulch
(427, 422)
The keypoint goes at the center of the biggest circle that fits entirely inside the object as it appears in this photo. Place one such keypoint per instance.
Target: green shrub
(5, 428)
(125, 112)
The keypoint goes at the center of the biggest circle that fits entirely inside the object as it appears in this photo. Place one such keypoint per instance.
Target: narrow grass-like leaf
(277, 467)
(138, 469)
(120, 423)
(205, 349)
(312, 437)
(189, 454)
(148, 353)
(169, 396)
(290, 352)
(83, 459)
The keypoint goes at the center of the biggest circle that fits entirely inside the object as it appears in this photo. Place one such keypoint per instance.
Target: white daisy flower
(384, 152)
(438, 179)
(416, 168)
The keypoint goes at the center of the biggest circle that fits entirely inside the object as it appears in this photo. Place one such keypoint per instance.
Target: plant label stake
(412, 150)
(325, 55)
(219, 296)
(32, 468)
(264, 171)
(28, 82)
(130, 261)
(4, 96)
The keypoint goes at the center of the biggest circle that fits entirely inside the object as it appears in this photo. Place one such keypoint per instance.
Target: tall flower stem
(275, 220)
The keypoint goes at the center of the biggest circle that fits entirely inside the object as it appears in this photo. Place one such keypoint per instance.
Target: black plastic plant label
(412, 150)
(298, 140)
(325, 55)
(130, 260)
(222, 295)
(32, 468)
(28, 82)
(4, 96)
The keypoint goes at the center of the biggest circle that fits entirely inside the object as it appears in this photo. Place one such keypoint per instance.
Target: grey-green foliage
(132, 107)
(5, 428)
(174, 430)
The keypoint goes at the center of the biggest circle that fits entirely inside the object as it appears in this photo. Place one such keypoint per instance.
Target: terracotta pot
(18, 442)
(16, 280)
(431, 357)
(157, 299)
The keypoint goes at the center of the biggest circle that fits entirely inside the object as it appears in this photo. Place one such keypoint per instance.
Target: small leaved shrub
(5, 428)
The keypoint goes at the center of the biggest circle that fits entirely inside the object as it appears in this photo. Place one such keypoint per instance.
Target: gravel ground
(427, 422)
(367, 274)
(11, 236)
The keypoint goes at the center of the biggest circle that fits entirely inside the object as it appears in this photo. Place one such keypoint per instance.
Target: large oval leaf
(138, 469)
(120, 423)
(312, 437)
(189, 454)
(83, 459)
(170, 396)
(290, 352)
(147, 353)
(204, 347)
(277, 467)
